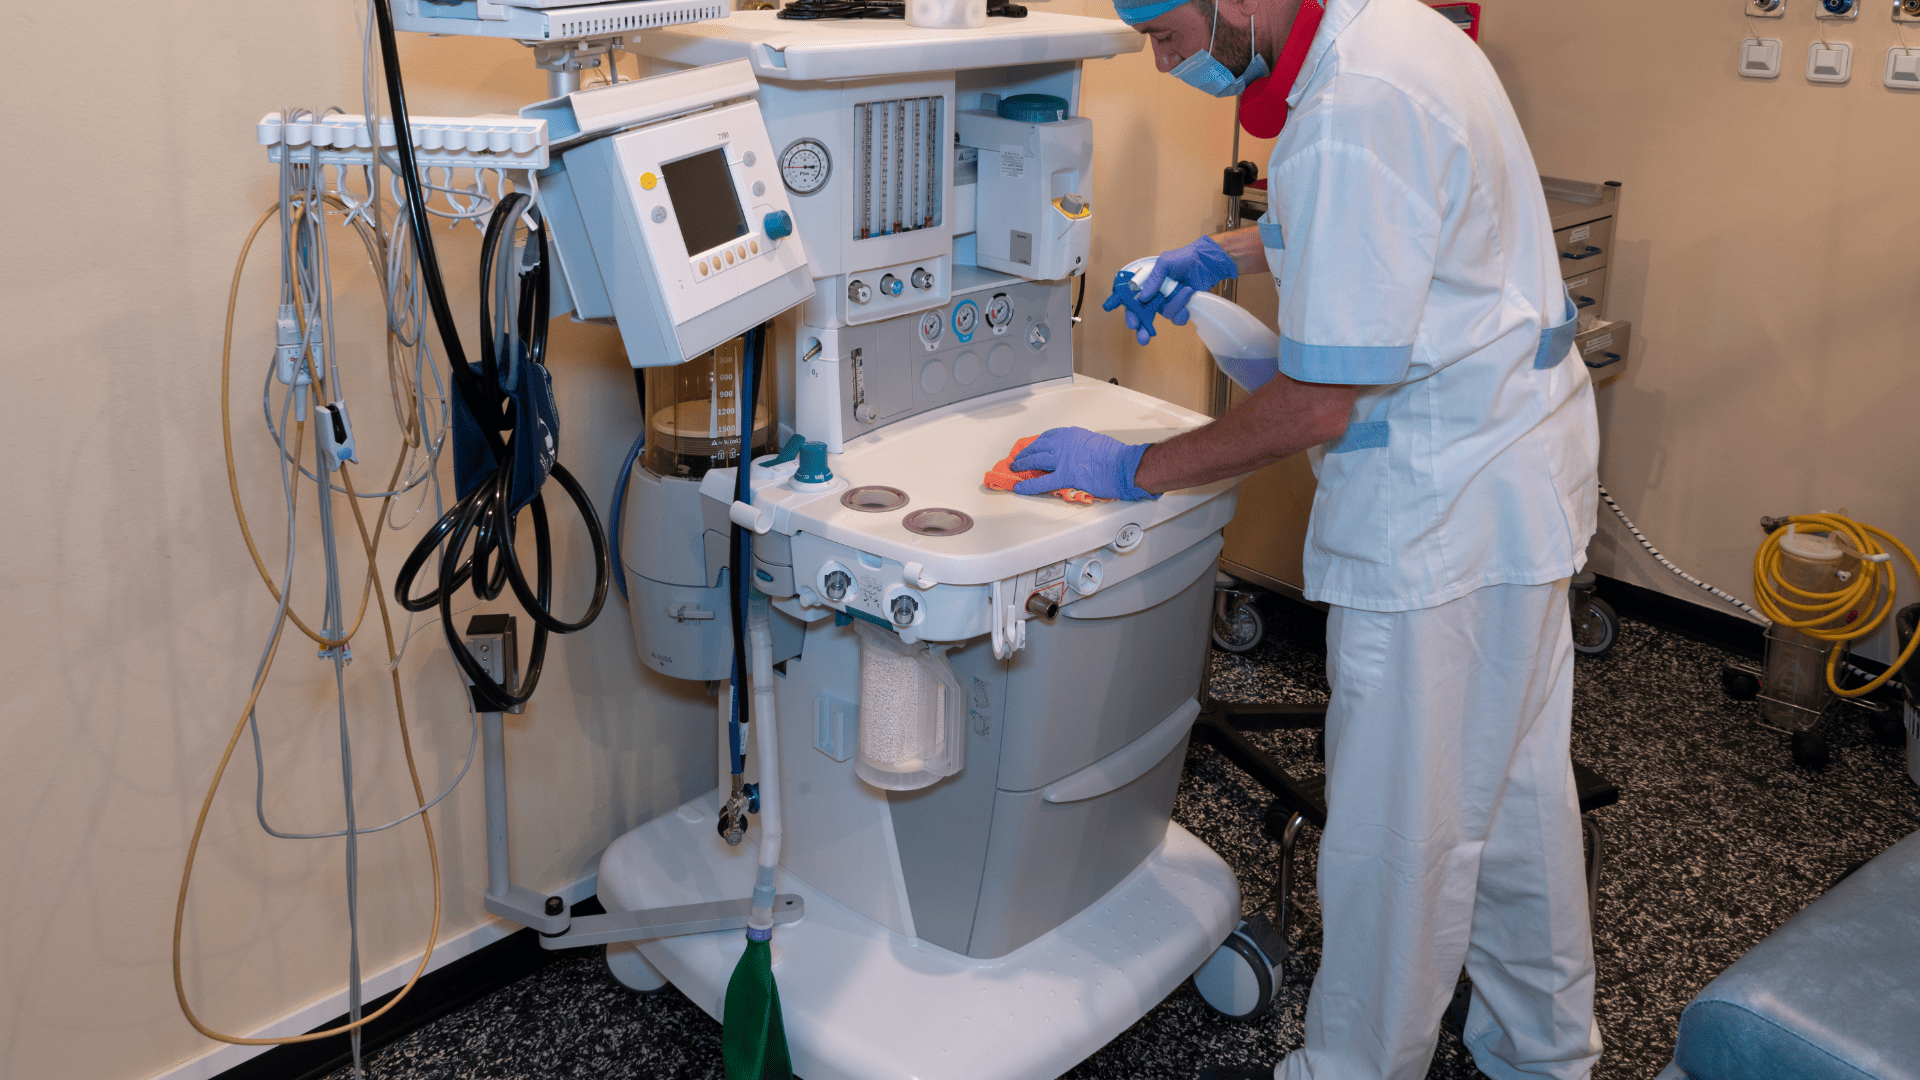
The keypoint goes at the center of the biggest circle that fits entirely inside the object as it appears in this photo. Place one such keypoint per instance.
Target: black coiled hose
(486, 515)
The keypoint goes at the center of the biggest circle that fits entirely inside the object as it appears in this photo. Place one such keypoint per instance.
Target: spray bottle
(1243, 346)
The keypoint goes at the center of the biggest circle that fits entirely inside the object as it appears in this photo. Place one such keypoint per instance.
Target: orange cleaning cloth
(1003, 476)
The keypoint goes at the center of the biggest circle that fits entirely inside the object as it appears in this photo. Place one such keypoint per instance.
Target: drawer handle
(1611, 359)
(1591, 252)
(1585, 302)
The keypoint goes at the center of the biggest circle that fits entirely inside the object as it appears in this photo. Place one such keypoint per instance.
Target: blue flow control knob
(813, 464)
(778, 225)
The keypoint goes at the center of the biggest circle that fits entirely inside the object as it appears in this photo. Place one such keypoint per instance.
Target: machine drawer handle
(1586, 301)
(1611, 359)
(1591, 252)
(1127, 764)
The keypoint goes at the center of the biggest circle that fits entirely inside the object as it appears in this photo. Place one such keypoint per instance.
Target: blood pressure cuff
(534, 421)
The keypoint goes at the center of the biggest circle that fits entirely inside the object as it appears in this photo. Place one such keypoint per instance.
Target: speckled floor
(1717, 839)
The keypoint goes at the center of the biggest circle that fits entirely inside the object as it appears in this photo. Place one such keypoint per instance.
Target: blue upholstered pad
(1834, 994)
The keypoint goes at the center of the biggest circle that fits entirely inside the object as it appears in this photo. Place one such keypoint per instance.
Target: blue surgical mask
(1202, 72)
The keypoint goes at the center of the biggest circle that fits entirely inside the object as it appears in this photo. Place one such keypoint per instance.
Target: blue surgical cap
(1135, 12)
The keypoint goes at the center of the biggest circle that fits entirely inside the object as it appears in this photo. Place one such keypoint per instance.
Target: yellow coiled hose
(1870, 592)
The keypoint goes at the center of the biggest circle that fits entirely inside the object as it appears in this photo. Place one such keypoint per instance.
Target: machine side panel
(1083, 688)
(660, 536)
(570, 235)
(1048, 861)
(838, 829)
(942, 830)
(626, 269)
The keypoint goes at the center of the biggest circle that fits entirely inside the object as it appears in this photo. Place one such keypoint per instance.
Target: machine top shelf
(817, 50)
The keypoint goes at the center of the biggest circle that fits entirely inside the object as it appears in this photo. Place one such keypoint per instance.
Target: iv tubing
(766, 740)
(1870, 592)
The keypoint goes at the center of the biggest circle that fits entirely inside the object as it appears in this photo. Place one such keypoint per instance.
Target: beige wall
(134, 615)
(1766, 258)
(1766, 262)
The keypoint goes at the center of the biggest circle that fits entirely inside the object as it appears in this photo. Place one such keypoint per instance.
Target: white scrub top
(1410, 242)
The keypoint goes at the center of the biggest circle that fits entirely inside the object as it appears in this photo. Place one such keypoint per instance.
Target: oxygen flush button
(1128, 537)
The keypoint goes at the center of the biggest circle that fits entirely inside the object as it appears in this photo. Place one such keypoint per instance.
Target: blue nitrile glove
(1197, 267)
(1100, 465)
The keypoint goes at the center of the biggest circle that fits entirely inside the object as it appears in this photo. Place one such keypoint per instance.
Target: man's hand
(1100, 465)
(1197, 267)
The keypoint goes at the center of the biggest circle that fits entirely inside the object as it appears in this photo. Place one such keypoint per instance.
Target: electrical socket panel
(1903, 69)
(1829, 62)
(1760, 58)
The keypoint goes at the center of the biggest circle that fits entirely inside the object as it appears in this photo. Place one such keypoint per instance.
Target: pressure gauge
(999, 312)
(804, 166)
(965, 318)
(932, 325)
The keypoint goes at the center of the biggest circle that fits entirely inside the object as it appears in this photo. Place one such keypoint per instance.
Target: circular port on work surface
(937, 521)
(874, 499)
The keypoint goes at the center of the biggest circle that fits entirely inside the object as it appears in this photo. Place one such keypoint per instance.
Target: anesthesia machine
(983, 699)
(840, 255)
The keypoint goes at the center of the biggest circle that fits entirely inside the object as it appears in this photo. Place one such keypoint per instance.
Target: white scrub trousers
(1453, 838)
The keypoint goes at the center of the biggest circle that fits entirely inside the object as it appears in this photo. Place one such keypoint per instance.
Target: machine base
(862, 1002)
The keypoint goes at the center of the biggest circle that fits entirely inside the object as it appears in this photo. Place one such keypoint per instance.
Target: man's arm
(1243, 244)
(1281, 418)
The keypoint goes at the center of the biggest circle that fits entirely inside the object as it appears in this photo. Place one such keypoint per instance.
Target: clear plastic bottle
(1244, 347)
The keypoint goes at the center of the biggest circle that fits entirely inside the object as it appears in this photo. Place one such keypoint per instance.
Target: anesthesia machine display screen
(701, 188)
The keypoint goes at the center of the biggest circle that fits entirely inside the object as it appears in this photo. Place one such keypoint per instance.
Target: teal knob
(813, 464)
(778, 225)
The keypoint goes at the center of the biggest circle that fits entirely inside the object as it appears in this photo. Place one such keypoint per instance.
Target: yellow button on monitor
(741, 251)
(755, 245)
(648, 180)
(703, 268)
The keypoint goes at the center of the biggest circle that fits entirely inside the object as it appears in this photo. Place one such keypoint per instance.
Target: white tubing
(766, 740)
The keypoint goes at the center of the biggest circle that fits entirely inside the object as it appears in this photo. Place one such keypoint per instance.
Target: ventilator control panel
(997, 332)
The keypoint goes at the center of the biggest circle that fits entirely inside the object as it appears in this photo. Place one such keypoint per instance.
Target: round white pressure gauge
(999, 311)
(932, 325)
(804, 166)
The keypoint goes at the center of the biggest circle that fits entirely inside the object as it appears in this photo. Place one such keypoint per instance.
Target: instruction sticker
(1012, 165)
(1579, 234)
(1604, 341)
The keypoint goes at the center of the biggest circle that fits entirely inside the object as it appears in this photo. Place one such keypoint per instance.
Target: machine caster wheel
(1599, 630)
(1239, 631)
(1239, 979)
(1809, 749)
(631, 970)
(1740, 683)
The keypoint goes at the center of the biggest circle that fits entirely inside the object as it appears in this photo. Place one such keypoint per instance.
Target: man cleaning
(1425, 366)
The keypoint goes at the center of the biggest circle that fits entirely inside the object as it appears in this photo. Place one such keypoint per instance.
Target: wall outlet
(1760, 58)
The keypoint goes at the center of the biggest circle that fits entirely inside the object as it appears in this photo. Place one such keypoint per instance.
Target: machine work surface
(806, 50)
(939, 459)
(864, 1003)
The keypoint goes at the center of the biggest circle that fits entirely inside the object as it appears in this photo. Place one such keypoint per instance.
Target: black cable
(487, 514)
(844, 9)
(740, 540)
(1082, 298)
(878, 9)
